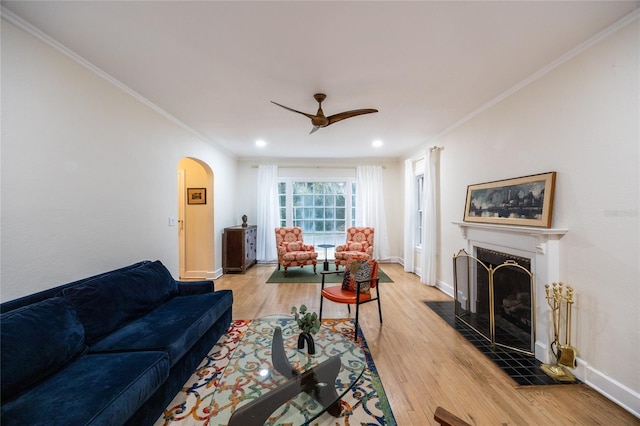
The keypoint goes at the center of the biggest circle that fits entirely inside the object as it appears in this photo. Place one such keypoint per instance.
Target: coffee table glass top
(250, 378)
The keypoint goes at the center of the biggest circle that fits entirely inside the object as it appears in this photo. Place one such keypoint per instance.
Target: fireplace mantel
(541, 235)
(542, 246)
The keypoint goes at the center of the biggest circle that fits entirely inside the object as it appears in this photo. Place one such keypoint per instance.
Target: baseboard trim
(445, 288)
(200, 275)
(612, 389)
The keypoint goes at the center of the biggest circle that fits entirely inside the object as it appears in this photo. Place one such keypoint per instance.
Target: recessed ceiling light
(260, 143)
(377, 143)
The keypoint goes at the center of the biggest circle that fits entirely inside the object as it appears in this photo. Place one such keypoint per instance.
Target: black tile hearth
(523, 369)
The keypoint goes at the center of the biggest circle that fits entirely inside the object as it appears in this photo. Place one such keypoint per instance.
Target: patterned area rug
(365, 404)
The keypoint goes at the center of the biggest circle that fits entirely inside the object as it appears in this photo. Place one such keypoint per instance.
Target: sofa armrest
(186, 288)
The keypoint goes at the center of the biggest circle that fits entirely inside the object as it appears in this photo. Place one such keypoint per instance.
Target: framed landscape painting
(525, 201)
(196, 196)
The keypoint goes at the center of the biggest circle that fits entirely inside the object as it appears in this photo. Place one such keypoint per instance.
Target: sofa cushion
(109, 301)
(100, 389)
(173, 327)
(37, 340)
(194, 287)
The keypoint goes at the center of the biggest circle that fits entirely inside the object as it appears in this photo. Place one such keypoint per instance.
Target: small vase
(307, 337)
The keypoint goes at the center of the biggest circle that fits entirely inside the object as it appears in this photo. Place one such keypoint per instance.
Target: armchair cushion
(357, 246)
(293, 246)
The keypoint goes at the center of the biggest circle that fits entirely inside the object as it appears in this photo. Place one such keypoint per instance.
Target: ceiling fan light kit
(319, 120)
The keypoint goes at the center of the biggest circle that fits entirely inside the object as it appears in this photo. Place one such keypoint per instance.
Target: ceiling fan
(319, 120)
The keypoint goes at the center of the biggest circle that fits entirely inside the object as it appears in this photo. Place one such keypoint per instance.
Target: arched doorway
(195, 219)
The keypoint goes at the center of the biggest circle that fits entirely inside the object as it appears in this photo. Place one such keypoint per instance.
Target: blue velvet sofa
(111, 349)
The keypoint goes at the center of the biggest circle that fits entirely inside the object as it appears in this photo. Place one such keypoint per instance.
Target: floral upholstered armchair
(292, 251)
(359, 245)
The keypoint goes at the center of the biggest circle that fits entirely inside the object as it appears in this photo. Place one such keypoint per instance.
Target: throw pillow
(346, 280)
(359, 271)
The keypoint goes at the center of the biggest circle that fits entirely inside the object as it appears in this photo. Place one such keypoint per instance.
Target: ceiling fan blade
(320, 120)
(348, 114)
(293, 110)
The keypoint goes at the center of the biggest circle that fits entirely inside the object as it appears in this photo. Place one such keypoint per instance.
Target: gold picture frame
(196, 195)
(524, 201)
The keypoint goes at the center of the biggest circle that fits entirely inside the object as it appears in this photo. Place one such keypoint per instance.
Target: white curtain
(370, 207)
(268, 213)
(409, 215)
(429, 217)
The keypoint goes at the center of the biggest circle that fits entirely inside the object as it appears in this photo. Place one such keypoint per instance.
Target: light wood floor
(424, 363)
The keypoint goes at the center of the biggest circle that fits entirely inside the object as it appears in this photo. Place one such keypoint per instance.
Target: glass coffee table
(270, 381)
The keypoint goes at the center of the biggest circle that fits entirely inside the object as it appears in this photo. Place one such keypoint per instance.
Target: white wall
(581, 120)
(89, 173)
(393, 176)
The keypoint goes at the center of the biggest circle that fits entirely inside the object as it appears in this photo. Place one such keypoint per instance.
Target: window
(323, 210)
(420, 207)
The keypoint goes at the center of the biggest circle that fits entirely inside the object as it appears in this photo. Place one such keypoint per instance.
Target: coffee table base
(317, 382)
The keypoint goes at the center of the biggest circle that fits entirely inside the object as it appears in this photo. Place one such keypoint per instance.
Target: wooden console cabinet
(238, 248)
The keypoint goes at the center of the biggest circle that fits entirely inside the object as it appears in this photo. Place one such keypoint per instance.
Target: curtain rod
(313, 167)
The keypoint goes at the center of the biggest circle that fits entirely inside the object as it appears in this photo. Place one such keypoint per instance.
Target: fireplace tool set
(561, 302)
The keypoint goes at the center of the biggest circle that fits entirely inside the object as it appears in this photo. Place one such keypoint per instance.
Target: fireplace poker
(568, 352)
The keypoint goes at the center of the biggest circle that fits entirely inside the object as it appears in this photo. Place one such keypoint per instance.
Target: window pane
(308, 213)
(299, 187)
(319, 208)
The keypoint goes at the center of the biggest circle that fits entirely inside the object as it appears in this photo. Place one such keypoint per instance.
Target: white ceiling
(425, 65)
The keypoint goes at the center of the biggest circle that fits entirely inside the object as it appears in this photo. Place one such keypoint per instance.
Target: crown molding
(14, 19)
(613, 28)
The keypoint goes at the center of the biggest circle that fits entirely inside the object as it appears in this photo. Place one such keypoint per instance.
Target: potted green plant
(308, 323)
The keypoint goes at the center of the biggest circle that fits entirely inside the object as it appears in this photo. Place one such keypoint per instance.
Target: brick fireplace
(540, 251)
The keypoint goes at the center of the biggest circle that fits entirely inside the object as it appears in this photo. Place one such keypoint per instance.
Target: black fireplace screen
(494, 294)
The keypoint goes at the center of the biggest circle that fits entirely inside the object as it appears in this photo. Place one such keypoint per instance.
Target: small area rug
(365, 404)
(297, 275)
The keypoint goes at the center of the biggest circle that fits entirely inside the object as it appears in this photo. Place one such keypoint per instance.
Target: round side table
(326, 261)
